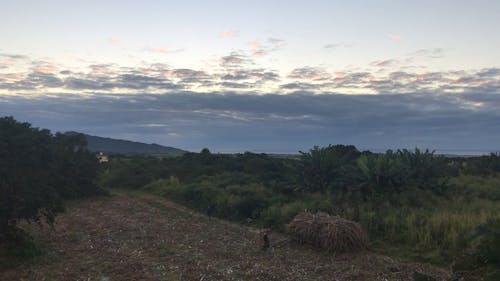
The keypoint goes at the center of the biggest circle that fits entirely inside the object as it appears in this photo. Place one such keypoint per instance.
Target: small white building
(103, 158)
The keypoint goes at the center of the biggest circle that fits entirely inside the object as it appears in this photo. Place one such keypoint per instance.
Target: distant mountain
(109, 145)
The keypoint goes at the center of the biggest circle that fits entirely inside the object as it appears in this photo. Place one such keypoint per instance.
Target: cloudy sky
(264, 76)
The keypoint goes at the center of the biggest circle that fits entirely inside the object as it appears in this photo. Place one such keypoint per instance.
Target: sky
(263, 76)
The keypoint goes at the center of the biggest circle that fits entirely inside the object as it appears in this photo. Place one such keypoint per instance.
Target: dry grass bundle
(328, 232)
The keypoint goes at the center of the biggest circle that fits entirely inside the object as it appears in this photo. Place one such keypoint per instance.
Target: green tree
(389, 171)
(37, 170)
(25, 175)
(328, 168)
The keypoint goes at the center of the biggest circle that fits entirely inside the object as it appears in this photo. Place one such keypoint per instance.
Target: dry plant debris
(144, 237)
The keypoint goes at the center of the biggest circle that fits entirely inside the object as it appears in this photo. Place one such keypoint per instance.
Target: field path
(144, 237)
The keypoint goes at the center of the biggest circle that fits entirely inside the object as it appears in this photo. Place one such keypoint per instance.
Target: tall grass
(419, 223)
(441, 227)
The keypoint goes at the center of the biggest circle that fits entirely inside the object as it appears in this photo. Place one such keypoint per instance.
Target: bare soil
(145, 237)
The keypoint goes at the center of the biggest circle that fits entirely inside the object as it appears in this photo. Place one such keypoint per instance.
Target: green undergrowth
(413, 225)
(413, 204)
(19, 248)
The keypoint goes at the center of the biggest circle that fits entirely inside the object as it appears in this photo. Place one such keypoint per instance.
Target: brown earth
(144, 237)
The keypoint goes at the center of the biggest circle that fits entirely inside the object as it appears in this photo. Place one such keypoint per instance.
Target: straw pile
(327, 232)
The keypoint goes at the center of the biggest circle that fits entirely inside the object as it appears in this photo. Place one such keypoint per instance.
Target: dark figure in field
(210, 211)
(265, 240)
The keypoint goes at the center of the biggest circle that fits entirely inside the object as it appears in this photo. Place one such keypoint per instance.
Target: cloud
(401, 76)
(6, 63)
(115, 41)
(226, 121)
(337, 45)
(44, 67)
(384, 63)
(44, 79)
(161, 50)
(394, 37)
(353, 80)
(10, 60)
(33, 81)
(235, 85)
(14, 56)
(276, 42)
(74, 83)
(298, 86)
(190, 76)
(260, 75)
(234, 59)
(229, 33)
(238, 70)
(143, 82)
(122, 81)
(309, 73)
(188, 73)
(254, 45)
(259, 49)
(435, 53)
(489, 73)
(102, 69)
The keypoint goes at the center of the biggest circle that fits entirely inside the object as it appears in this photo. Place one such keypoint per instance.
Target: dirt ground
(144, 237)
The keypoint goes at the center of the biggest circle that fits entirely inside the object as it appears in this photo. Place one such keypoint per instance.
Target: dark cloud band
(273, 122)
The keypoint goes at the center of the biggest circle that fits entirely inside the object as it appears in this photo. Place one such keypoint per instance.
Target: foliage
(37, 171)
(492, 276)
(483, 165)
(231, 195)
(423, 205)
(328, 168)
(436, 208)
(403, 169)
(487, 238)
(132, 172)
(76, 168)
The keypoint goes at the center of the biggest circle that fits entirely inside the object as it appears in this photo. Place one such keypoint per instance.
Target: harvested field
(143, 237)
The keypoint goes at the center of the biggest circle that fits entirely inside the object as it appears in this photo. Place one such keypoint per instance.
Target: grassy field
(138, 236)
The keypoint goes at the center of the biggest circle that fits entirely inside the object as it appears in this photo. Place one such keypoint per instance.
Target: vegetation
(139, 236)
(37, 171)
(413, 204)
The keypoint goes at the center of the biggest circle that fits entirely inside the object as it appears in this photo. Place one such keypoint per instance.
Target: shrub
(278, 215)
(170, 188)
(488, 242)
(37, 169)
(492, 276)
(328, 168)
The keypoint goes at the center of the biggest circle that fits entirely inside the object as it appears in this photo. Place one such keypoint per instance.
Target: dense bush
(132, 172)
(483, 165)
(37, 171)
(329, 168)
(487, 237)
(403, 169)
(231, 195)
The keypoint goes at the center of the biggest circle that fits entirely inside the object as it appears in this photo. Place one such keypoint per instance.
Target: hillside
(109, 145)
(144, 237)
